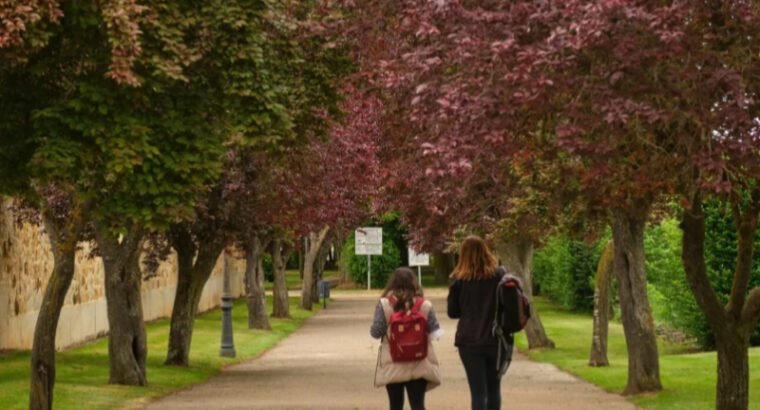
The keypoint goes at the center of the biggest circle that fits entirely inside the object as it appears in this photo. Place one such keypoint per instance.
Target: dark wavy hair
(404, 287)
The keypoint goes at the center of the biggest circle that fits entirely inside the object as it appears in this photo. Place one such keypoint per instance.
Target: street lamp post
(228, 344)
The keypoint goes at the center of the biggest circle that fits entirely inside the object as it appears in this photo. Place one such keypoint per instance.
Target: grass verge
(293, 279)
(688, 378)
(83, 371)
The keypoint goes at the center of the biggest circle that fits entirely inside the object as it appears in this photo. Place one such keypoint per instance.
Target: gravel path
(329, 364)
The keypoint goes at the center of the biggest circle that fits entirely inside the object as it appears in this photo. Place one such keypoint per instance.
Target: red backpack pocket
(407, 334)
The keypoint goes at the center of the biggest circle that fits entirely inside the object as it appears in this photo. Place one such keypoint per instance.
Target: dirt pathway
(329, 364)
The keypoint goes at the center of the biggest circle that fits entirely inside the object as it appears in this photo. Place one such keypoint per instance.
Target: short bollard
(324, 291)
(228, 344)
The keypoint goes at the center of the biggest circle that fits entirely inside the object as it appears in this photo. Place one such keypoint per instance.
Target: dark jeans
(414, 388)
(482, 376)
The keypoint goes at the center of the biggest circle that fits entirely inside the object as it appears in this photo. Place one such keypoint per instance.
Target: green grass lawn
(293, 279)
(83, 372)
(688, 378)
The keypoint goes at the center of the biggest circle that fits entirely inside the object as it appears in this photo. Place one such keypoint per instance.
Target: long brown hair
(475, 260)
(404, 287)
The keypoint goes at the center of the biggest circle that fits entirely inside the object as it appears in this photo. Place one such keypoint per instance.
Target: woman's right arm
(379, 327)
(453, 309)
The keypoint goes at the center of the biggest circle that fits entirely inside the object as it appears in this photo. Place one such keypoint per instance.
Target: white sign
(418, 259)
(369, 241)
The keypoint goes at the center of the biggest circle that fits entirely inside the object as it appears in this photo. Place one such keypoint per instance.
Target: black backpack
(512, 306)
(512, 314)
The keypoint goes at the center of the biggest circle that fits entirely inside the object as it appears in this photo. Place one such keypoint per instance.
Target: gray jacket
(388, 371)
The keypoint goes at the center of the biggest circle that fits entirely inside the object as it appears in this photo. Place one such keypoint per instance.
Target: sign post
(418, 260)
(369, 241)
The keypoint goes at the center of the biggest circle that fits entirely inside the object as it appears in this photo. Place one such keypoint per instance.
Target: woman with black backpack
(472, 300)
(405, 322)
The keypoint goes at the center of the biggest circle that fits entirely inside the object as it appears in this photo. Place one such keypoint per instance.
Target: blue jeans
(482, 376)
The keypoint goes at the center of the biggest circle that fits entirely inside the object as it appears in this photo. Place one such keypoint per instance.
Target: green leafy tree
(279, 77)
(118, 121)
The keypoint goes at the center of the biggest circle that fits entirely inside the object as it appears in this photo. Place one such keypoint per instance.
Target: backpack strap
(505, 341)
(387, 304)
(504, 355)
(387, 308)
(418, 304)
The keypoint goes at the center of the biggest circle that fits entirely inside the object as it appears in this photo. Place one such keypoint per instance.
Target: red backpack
(407, 333)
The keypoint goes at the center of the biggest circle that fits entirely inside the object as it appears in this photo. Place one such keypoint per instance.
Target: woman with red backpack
(406, 324)
(472, 300)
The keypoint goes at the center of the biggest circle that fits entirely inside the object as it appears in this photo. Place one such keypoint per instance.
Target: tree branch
(181, 239)
(746, 228)
(323, 234)
(48, 221)
(693, 257)
(133, 240)
(751, 314)
(287, 250)
(266, 240)
(208, 254)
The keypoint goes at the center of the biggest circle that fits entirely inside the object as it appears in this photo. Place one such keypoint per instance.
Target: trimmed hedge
(564, 269)
(564, 272)
(665, 271)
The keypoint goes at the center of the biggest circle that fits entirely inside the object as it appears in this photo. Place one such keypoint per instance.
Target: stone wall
(26, 263)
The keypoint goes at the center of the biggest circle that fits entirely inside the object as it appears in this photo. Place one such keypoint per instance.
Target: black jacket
(473, 302)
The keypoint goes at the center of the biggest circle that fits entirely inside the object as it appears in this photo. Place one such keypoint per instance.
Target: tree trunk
(310, 256)
(319, 268)
(316, 275)
(301, 262)
(193, 272)
(254, 280)
(733, 370)
(732, 324)
(178, 351)
(602, 306)
(127, 344)
(517, 256)
(315, 287)
(444, 265)
(280, 251)
(342, 270)
(63, 241)
(636, 314)
(307, 288)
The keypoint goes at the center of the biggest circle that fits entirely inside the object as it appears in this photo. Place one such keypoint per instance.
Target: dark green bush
(550, 271)
(293, 263)
(268, 268)
(672, 302)
(394, 231)
(564, 269)
(382, 265)
(721, 253)
(665, 272)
